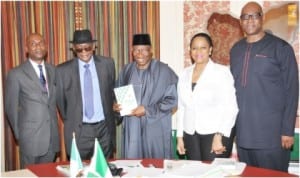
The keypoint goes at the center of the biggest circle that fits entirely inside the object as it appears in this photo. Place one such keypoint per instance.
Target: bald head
(251, 6)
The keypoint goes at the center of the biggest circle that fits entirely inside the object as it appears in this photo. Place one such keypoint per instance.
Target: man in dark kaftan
(147, 131)
(266, 78)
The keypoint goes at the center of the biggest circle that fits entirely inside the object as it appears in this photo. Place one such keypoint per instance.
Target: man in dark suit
(30, 105)
(85, 97)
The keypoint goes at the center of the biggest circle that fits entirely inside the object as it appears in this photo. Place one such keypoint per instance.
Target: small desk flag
(98, 166)
(75, 160)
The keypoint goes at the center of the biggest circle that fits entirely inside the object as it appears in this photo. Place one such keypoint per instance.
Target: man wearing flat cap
(85, 97)
(147, 131)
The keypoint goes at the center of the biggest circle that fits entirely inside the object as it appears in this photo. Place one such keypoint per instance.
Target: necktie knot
(86, 66)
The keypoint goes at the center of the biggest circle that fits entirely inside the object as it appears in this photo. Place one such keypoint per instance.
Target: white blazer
(211, 107)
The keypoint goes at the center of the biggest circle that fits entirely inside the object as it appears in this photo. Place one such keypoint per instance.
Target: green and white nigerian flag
(75, 160)
(98, 166)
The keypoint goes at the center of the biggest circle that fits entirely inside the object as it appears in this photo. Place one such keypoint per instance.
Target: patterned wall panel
(196, 15)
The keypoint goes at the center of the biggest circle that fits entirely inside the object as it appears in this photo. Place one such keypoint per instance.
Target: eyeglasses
(80, 50)
(254, 16)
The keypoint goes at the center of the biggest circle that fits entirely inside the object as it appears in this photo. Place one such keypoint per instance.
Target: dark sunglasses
(80, 50)
(254, 16)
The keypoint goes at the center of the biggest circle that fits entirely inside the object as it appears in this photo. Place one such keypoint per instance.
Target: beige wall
(171, 34)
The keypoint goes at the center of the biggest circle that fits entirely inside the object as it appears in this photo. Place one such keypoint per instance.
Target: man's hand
(139, 111)
(287, 141)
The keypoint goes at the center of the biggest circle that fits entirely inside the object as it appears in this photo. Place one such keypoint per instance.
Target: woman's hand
(180, 146)
(217, 146)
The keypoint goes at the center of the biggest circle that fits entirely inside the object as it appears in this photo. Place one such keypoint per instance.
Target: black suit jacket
(69, 95)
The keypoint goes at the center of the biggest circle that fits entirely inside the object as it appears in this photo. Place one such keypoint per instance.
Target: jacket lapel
(101, 72)
(29, 71)
(205, 76)
(49, 79)
(76, 79)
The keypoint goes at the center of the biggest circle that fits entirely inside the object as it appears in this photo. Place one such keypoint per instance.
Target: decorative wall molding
(78, 15)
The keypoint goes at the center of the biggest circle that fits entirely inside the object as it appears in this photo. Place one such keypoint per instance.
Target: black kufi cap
(141, 39)
(82, 36)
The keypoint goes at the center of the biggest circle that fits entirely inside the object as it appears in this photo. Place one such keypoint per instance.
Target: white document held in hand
(126, 98)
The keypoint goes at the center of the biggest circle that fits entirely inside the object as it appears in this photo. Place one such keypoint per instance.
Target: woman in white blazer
(207, 105)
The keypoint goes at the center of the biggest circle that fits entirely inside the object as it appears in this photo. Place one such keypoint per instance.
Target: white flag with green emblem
(98, 166)
(75, 160)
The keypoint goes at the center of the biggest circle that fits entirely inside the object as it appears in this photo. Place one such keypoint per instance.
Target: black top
(193, 86)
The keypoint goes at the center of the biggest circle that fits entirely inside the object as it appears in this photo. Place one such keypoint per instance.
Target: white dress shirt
(211, 107)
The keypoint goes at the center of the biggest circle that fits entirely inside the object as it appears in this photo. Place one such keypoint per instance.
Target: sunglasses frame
(80, 50)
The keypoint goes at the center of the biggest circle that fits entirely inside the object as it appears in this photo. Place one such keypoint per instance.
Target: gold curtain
(112, 24)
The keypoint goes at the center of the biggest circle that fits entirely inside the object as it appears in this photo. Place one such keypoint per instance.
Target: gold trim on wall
(292, 15)
(78, 15)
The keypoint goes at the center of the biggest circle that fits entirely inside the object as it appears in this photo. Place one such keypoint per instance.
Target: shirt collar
(91, 62)
(35, 63)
